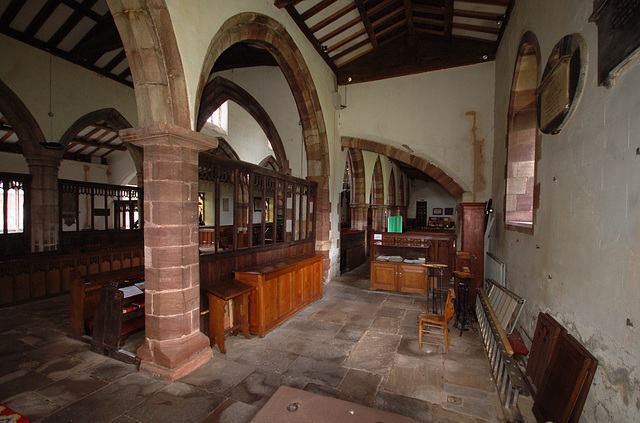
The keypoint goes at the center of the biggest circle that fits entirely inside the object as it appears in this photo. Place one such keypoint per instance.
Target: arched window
(522, 134)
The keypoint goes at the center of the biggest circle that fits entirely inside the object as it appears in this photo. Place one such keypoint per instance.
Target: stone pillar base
(175, 358)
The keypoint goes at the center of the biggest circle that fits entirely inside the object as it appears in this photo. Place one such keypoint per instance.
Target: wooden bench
(119, 315)
(85, 296)
(219, 294)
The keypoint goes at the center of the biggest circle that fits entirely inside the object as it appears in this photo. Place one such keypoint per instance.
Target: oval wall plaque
(562, 83)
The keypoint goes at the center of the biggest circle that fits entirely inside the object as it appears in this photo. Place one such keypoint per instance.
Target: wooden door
(383, 276)
(412, 279)
(269, 301)
(285, 288)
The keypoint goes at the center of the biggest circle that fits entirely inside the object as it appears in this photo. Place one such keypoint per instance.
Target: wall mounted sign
(618, 24)
(562, 84)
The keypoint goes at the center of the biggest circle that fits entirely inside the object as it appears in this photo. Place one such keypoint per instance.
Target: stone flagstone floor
(353, 344)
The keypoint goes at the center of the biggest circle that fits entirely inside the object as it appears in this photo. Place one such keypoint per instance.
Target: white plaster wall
(581, 264)
(74, 90)
(269, 87)
(13, 163)
(435, 196)
(427, 112)
(121, 168)
(85, 172)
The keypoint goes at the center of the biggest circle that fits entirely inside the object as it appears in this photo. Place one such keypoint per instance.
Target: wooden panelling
(279, 287)
(44, 274)
(384, 276)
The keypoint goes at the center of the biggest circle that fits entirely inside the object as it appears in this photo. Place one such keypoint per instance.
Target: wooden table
(219, 294)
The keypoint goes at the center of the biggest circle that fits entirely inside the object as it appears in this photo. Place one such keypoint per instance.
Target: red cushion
(515, 339)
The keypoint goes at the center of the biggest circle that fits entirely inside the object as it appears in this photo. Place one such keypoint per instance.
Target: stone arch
(219, 90)
(401, 193)
(356, 163)
(391, 191)
(448, 183)
(152, 51)
(114, 120)
(266, 32)
(377, 184)
(270, 163)
(225, 150)
(29, 134)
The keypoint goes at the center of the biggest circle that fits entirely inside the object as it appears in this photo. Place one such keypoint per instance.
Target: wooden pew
(119, 314)
(85, 296)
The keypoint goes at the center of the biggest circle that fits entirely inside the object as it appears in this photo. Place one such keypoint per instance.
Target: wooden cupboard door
(270, 301)
(297, 293)
(285, 290)
(383, 276)
(412, 279)
(317, 278)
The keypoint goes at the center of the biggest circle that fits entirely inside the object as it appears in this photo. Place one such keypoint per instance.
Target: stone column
(43, 168)
(174, 345)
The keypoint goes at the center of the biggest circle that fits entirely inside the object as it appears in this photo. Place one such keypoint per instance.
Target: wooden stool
(219, 294)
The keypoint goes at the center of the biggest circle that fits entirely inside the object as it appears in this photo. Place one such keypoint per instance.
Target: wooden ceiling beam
(87, 144)
(284, 3)
(429, 31)
(350, 49)
(86, 10)
(312, 39)
(375, 9)
(477, 15)
(504, 3)
(11, 12)
(366, 22)
(429, 21)
(69, 24)
(387, 17)
(316, 9)
(433, 10)
(332, 18)
(6, 136)
(408, 10)
(41, 17)
(476, 28)
(391, 28)
(118, 58)
(102, 38)
(448, 18)
(337, 31)
(346, 40)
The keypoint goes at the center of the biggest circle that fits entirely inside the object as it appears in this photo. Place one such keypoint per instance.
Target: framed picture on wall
(448, 211)
(437, 211)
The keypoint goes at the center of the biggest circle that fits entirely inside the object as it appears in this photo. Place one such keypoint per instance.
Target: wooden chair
(434, 327)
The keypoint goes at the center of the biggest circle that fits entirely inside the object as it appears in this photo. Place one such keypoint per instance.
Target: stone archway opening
(271, 35)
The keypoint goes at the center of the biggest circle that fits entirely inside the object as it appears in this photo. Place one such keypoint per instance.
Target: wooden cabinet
(402, 277)
(471, 225)
(281, 290)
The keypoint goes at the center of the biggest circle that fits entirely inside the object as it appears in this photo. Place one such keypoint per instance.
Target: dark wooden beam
(332, 18)
(62, 54)
(504, 3)
(87, 144)
(504, 22)
(316, 9)
(284, 3)
(307, 32)
(346, 40)
(432, 10)
(429, 21)
(86, 10)
(350, 49)
(487, 16)
(393, 14)
(366, 22)
(41, 17)
(10, 12)
(69, 25)
(408, 10)
(101, 39)
(476, 28)
(115, 61)
(448, 18)
(337, 31)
